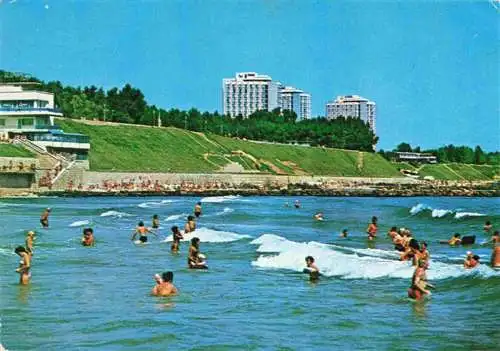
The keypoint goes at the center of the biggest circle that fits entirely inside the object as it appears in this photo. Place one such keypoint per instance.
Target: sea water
(254, 295)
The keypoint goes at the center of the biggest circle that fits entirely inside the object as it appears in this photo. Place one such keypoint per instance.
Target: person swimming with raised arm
(44, 218)
(164, 285)
(495, 239)
(197, 209)
(419, 285)
(344, 233)
(311, 268)
(195, 258)
(155, 222)
(372, 229)
(88, 237)
(142, 231)
(176, 238)
(24, 265)
(30, 240)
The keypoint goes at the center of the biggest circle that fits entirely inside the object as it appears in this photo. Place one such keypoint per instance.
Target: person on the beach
(190, 225)
(372, 229)
(30, 238)
(197, 209)
(24, 265)
(142, 231)
(176, 238)
(344, 233)
(487, 226)
(419, 285)
(88, 237)
(297, 204)
(44, 218)
(318, 216)
(156, 222)
(455, 240)
(195, 258)
(312, 269)
(164, 285)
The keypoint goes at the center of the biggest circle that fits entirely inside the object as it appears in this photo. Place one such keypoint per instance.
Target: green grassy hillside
(456, 171)
(135, 148)
(9, 150)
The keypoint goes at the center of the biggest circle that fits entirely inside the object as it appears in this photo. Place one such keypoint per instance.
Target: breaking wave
(115, 214)
(79, 223)
(422, 209)
(218, 199)
(175, 217)
(279, 253)
(150, 204)
(212, 236)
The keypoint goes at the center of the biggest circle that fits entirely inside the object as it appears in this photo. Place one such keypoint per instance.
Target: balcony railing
(29, 109)
(62, 138)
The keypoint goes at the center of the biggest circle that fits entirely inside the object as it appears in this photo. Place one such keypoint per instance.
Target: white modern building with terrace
(29, 115)
(353, 106)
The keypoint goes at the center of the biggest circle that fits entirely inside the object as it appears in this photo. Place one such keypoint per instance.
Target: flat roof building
(296, 100)
(353, 106)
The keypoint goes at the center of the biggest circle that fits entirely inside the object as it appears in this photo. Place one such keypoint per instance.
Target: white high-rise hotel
(249, 92)
(353, 106)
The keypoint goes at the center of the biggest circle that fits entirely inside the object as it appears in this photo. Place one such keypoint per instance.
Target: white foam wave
(218, 199)
(226, 210)
(290, 255)
(115, 214)
(440, 213)
(149, 204)
(460, 215)
(79, 223)
(211, 236)
(175, 217)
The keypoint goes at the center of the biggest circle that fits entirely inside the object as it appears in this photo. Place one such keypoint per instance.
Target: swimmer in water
(495, 257)
(487, 226)
(195, 259)
(30, 238)
(455, 240)
(297, 204)
(495, 239)
(318, 216)
(142, 231)
(372, 229)
(190, 225)
(164, 285)
(197, 209)
(88, 237)
(424, 253)
(24, 265)
(471, 260)
(44, 218)
(419, 285)
(176, 238)
(312, 269)
(156, 222)
(344, 233)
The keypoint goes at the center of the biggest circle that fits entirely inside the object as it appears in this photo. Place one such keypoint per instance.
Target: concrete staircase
(73, 173)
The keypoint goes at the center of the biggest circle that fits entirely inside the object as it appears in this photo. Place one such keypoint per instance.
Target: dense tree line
(450, 153)
(128, 105)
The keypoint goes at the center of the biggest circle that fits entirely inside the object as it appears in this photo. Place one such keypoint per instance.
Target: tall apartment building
(353, 106)
(296, 100)
(248, 92)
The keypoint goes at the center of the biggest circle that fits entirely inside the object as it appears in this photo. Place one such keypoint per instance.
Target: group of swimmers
(417, 252)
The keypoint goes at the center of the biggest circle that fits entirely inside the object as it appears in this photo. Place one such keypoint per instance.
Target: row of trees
(128, 105)
(450, 153)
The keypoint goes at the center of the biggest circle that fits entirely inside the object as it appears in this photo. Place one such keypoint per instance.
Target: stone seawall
(122, 183)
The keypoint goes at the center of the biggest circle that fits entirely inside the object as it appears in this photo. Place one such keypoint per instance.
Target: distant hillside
(148, 149)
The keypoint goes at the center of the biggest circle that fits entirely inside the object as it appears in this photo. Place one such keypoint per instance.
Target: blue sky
(432, 67)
